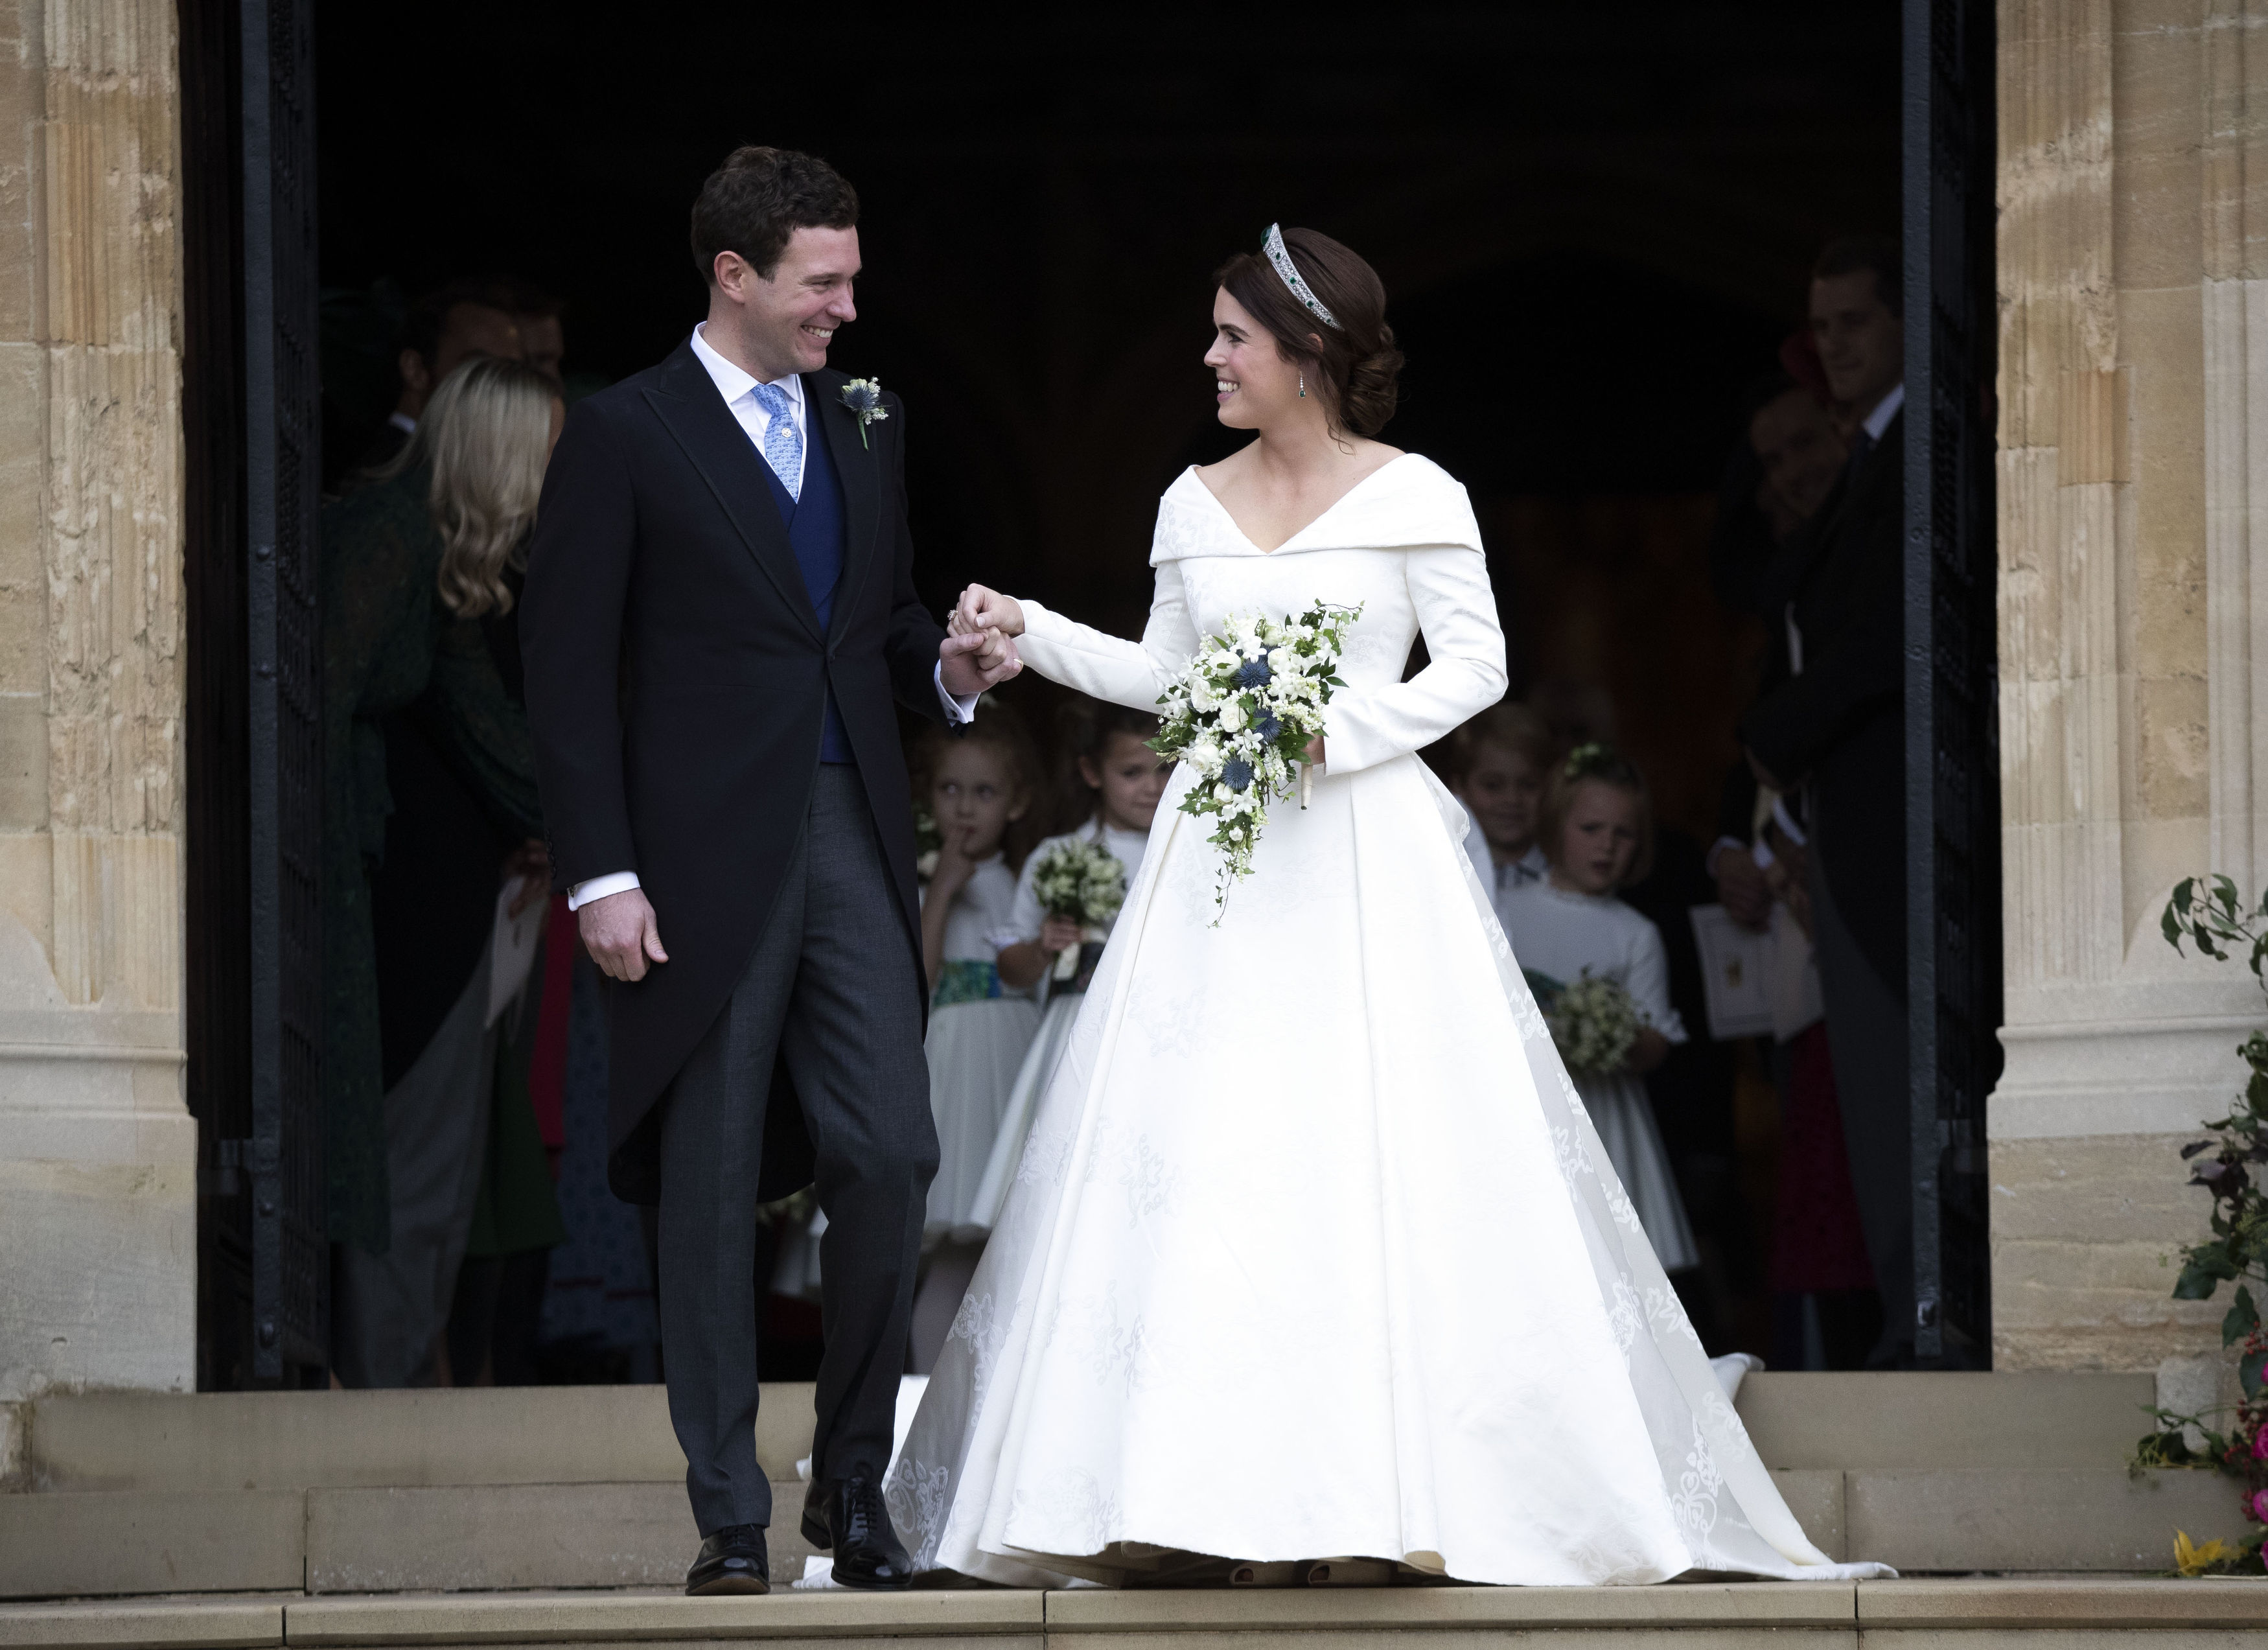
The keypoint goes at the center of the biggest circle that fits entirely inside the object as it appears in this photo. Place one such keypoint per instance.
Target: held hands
(977, 650)
(620, 934)
(980, 608)
(975, 661)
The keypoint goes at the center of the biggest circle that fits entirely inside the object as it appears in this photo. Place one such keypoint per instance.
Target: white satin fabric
(1313, 1252)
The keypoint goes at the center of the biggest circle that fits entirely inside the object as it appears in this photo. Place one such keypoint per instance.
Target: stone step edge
(157, 1441)
(568, 1618)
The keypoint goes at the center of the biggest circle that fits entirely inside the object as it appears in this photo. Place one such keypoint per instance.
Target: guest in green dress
(431, 801)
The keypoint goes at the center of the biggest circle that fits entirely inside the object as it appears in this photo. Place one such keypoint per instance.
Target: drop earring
(1303, 387)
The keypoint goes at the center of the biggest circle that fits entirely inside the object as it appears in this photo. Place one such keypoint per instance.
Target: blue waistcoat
(815, 529)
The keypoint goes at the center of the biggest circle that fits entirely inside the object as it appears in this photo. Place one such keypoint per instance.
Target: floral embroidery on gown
(1366, 1286)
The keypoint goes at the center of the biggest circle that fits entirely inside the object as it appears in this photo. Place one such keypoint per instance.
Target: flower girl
(1122, 779)
(1570, 933)
(980, 790)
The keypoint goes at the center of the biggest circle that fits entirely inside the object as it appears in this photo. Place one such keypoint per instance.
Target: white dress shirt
(737, 387)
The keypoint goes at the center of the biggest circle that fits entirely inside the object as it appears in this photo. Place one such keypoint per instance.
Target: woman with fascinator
(1314, 1253)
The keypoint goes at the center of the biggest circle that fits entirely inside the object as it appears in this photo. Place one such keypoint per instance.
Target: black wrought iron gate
(1953, 853)
(252, 416)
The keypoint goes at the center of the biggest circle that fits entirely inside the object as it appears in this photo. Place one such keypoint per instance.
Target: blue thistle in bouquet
(1242, 716)
(1082, 882)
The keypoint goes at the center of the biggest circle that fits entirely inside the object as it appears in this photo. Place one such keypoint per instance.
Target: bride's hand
(980, 608)
(1313, 754)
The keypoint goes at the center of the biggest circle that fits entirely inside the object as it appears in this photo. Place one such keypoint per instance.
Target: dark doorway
(1595, 227)
(249, 408)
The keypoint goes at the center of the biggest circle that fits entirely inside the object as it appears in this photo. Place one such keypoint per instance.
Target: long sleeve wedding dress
(1313, 1251)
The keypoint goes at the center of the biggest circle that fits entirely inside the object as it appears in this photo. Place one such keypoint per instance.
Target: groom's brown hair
(753, 203)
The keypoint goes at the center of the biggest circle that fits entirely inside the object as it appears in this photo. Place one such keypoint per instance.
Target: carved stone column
(97, 1150)
(2133, 515)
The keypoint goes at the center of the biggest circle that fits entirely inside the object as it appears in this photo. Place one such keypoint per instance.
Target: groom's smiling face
(783, 323)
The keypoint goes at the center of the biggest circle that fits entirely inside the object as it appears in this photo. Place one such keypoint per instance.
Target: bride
(1313, 1251)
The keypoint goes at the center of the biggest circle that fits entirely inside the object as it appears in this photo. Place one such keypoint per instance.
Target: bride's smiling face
(1252, 381)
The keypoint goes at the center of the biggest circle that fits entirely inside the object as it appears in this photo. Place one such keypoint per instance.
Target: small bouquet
(929, 842)
(1242, 715)
(1593, 1023)
(1082, 882)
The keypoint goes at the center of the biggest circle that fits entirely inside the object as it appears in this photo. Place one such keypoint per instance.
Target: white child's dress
(1561, 934)
(979, 1030)
(1063, 1000)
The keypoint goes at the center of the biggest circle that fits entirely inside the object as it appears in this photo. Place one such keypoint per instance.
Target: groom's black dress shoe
(847, 1516)
(732, 1560)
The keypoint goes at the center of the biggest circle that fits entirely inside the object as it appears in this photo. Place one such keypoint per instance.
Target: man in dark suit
(719, 617)
(1836, 725)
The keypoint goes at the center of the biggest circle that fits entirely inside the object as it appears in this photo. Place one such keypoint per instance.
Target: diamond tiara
(1282, 259)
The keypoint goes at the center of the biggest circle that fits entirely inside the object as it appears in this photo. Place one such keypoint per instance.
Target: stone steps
(325, 1495)
(281, 1441)
(485, 1537)
(2050, 1614)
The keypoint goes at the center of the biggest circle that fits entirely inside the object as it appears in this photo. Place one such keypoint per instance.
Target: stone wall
(96, 1149)
(2133, 567)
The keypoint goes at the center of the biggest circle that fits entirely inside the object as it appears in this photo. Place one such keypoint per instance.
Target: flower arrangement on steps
(2230, 1166)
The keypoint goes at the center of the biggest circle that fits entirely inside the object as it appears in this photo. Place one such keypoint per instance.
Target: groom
(719, 615)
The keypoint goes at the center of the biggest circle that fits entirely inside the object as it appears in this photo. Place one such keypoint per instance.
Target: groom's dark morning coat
(677, 678)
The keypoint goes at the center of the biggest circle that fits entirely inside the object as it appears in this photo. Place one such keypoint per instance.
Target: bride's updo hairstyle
(1357, 365)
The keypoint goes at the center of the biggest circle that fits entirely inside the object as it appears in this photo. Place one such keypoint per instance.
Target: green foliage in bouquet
(1242, 716)
(2208, 913)
(1080, 882)
(1593, 1023)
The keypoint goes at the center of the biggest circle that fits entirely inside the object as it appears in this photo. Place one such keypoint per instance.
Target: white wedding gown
(1313, 1252)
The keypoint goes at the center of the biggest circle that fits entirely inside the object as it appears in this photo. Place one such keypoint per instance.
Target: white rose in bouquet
(1083, 882)
(1243, 715)
(1594, 1024)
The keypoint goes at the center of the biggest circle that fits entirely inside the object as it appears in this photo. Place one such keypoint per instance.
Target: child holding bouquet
(1601, 977)
(980, 789)
(1123, 779)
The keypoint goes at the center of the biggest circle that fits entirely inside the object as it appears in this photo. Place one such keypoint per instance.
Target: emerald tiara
(1282, 259)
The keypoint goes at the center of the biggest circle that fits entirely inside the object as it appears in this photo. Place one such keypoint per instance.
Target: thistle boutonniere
(864, 397)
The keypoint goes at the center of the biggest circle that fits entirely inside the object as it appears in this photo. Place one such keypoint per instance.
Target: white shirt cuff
(957, 709)
(597, 888)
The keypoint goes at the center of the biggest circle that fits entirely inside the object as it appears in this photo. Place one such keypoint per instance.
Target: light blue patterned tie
(782, 441)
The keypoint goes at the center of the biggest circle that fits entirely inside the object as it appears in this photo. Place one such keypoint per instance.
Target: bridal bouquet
(1243, 713)
(1593, 1023)
(1081, 882)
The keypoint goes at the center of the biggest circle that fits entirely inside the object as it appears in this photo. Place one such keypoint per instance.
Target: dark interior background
(1594, 223)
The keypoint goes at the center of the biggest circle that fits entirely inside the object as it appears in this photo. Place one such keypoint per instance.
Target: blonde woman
(431, 794)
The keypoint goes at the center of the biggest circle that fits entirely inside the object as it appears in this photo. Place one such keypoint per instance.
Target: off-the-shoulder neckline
(1323, 516)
